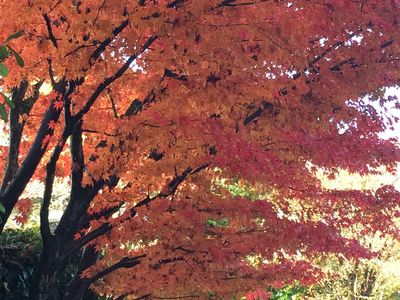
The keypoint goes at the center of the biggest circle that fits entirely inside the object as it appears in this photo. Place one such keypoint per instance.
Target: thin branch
(111, 79)
(177, 297)
(100, 49)
(137, 106)
(50, 174)
(51, 73)
(99, 132)
(126, 262)
(176, 3)
(114, 109)
(78, 48)
(31, 100)
(50, 30)
(48, 190)
(106, 227)
(144, 297)
(231, 3)
(98, 12)
(55, 5)
(15, 136)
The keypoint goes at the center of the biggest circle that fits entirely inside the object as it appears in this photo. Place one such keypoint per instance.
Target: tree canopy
(152, 108)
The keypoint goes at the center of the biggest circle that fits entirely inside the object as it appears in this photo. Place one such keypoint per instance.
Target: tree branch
(114, 109)
(100, 49)
(15, 136)
(50, 30)
(78, 286)
(11, 194)
(106, 227)
(111, 79)
(51, 168)
(126, 262)
(231, 3)
(48, 189)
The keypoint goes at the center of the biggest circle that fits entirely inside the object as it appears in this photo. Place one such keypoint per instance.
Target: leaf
(8, 100)
(3, 70)
(2, 208)
(58, 105)
(223, 222)
(3, 113)
(3, 52)
(52, 124)
(14, 36)
(46, 140)
(211, 223)
(18, 57)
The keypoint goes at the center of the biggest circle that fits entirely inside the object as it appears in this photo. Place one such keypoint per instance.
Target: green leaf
(3, 113)
(223, 222)
(18, 57)
(2, 208)
(3, 70)
(3, 52)
(14, 36)
(211, 222)
(8, 101)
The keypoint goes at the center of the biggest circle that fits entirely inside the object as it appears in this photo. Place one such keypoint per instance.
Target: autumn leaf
(58, 105)
(46, 140)
(52, 125)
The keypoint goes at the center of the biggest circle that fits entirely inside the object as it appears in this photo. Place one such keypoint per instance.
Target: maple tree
(154, 103)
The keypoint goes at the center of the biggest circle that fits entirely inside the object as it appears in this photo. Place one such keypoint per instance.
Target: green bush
(19, 253)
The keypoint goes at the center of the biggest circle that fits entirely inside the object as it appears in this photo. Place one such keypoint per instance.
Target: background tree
(153, 103)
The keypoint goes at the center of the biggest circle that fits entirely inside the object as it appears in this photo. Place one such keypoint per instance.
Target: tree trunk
(45, 285)
(50, 281)
(79, 287)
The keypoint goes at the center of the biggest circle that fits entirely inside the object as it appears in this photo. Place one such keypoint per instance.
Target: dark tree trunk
(79, 287)
(45, 285)
(50, 279)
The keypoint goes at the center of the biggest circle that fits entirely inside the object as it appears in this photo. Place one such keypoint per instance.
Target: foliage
(377, 278)
(147, 105)
(289, 293)
(19, 255)
(22, 238)
(5, 52)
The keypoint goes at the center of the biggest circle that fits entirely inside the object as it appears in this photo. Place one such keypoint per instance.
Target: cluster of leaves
(290, 292)
(5, 52)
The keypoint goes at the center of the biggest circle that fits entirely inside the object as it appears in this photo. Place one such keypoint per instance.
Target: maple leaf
(77, 236)
(58, 104)
(46, 140)
(24, 207)
(52, 125)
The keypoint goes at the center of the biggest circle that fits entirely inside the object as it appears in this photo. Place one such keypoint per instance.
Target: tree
(154, 104)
